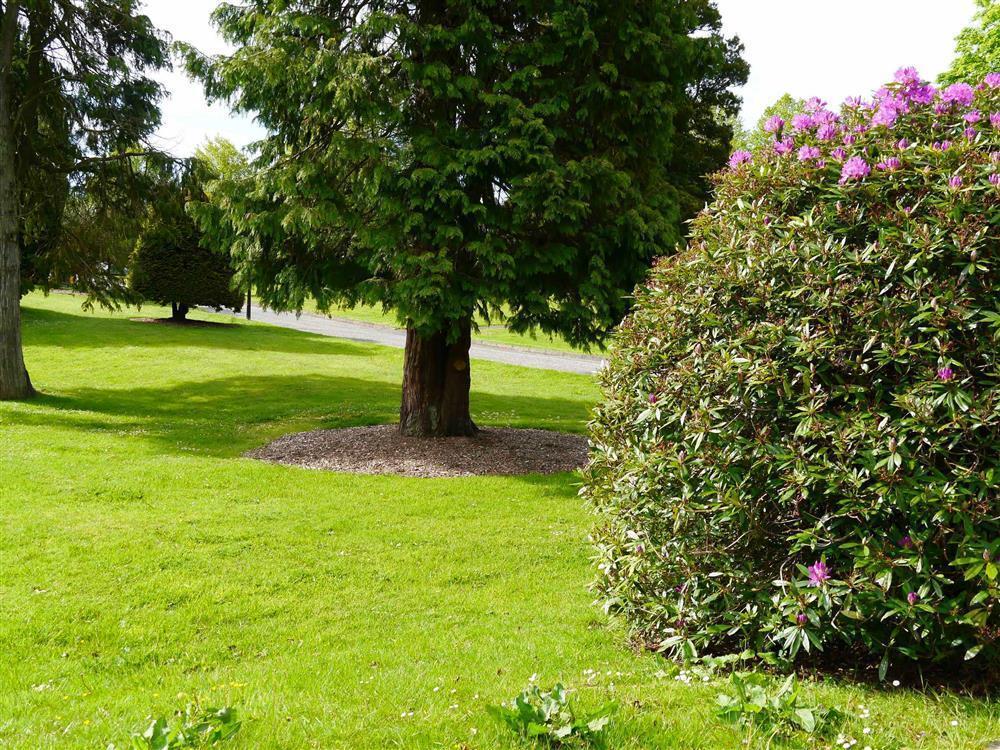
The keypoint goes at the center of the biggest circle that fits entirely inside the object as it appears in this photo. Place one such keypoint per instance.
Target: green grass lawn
(144, 563)
(493, 334)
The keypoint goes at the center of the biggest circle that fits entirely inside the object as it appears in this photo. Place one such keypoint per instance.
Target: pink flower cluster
(817, 136)
(819, 573)
(854, 168)
(740, 157)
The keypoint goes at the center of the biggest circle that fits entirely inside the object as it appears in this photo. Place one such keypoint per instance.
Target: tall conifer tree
(74, 98)
(515, 160)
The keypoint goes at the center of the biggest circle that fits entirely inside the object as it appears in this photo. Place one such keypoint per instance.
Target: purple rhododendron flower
(827, 131)
(803, 122)
(652, 398)
(992, 80)
(946, 374)
(774, 124)
(955, 182)
(995, 120)
(958, 93)
(995, 179)
(902, 144)
(784, 146)
(906, 542)
(923, 94)
(907, 76)
(890, 109)
(913, 597)
(814, 104)
(941, 145)
(825, 117)
(801, 619)
(839, 154)
(890, 165)
(970, 133)
(809, 152)
(913, 88)
(973, 116)
(740, 157)
(849, 139)
(995, 157)
(819, 573)
(886, 116)
(855, 168)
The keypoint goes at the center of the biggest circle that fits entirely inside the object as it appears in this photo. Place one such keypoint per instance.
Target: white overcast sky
(804, 47)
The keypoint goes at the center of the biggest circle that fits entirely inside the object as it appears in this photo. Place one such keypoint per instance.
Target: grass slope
(143, 562)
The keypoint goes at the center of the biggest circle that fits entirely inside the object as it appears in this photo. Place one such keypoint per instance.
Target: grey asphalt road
(353, 330)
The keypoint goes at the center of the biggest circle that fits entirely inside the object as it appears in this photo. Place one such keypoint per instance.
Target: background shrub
(171, 267)
(173, 263)
(799, 442)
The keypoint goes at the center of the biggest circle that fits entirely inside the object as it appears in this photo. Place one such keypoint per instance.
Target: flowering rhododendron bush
(798, 449)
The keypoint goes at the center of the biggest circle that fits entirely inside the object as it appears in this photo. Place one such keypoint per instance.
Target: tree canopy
(76, 102)
(519, 160)
(977, 48)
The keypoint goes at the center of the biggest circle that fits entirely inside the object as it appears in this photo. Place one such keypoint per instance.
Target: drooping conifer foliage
(75, 98)
(518, 160)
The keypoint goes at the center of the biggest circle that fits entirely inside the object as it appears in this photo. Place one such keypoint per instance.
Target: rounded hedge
(798, 448)
(170, 266)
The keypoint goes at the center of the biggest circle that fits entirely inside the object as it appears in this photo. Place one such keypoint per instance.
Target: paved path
(342, 328)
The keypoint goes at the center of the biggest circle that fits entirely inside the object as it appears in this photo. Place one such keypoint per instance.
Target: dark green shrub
(799, 442)
(170, 267)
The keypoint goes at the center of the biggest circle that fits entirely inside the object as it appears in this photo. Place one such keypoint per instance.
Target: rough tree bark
(436, 380)
(14, 381)
(178, 312)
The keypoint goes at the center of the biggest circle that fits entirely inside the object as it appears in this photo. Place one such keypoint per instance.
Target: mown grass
(143, 562)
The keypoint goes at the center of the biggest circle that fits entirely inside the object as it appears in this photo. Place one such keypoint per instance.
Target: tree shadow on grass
(48, 328)
(227, 416)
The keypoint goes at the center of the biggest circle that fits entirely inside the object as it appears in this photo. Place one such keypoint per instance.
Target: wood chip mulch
(382, 450)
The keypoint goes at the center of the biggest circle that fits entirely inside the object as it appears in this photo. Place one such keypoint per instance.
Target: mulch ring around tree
(382, 450)
(183, 323)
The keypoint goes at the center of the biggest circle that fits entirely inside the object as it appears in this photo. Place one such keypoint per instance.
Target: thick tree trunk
(178, 312)
(436, 382)
(14, 381)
